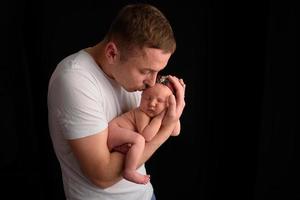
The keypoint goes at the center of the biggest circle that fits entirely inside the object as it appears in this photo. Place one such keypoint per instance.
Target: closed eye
(146, 97)
(161, 100)
(145, 72)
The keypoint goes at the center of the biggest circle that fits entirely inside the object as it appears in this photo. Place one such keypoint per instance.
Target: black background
(238, 138)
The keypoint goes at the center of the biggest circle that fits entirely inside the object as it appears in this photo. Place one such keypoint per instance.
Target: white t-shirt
(81, 102)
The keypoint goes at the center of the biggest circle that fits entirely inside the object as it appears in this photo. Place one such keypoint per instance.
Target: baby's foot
(133, 176)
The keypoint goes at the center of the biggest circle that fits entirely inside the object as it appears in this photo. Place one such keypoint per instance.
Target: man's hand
(176, 102)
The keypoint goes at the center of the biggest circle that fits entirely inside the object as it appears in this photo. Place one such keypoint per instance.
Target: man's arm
(104, 168)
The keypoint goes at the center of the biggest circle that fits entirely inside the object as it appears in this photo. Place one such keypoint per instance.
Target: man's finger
(172, 106)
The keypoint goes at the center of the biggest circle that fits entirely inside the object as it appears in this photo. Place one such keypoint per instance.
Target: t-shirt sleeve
(76, 102)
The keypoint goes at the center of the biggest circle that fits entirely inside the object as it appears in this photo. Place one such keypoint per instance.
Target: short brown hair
(142, 25)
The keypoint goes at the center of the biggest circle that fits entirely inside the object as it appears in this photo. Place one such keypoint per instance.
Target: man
(91, 87)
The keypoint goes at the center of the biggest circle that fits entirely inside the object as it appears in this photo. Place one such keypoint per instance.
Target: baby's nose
(153, 102)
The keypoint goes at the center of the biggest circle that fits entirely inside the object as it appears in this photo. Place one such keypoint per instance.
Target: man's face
(140, 71)
(155, 99)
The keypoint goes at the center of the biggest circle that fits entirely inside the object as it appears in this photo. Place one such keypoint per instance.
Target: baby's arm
(141, 120)
(148, 128)
(176, 130)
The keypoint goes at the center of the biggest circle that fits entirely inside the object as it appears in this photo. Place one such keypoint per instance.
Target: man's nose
(151, 80)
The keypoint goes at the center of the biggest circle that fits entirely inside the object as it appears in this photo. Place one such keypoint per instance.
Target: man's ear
(111, 52)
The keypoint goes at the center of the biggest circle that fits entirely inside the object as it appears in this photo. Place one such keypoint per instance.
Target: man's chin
(138, 90)
(130, 89)
(141, 89)
(134, 89)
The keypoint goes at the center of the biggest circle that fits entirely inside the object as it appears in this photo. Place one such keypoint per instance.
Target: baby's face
(155, 99)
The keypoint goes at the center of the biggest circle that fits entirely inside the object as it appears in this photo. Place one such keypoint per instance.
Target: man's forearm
(113, 171)
(177, 128)
(114, 167)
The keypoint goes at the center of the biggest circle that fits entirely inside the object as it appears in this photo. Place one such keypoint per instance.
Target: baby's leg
(119, 136)
(132, 160)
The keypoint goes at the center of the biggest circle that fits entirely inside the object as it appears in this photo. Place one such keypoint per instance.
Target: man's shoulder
(79, 67)
(76, 60)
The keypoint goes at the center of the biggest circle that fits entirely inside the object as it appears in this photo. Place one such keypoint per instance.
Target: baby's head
(165, 81)
(155, 98)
